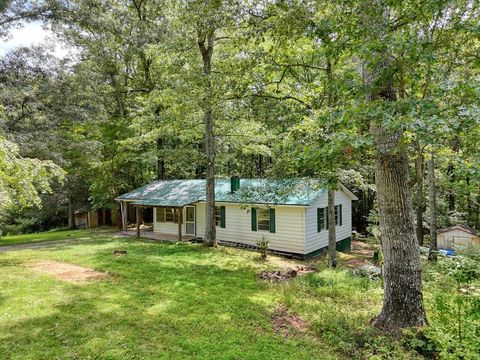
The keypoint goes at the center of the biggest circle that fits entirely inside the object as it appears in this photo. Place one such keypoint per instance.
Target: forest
(381, 96)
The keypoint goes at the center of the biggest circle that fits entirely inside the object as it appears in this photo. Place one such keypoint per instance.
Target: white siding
(315, 240)
(289, 227)
(200, 208)
(166, 227)
(295, 227)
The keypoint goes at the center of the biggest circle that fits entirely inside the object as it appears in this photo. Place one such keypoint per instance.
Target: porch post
(137, 214)
(125, 215)
(121, 214)
(180, 218)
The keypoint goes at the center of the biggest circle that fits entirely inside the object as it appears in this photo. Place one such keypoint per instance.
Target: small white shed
(457, 235)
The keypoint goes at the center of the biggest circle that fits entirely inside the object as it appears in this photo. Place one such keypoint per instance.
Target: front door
(190, 220)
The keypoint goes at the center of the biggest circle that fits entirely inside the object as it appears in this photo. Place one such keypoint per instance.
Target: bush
(263, 246)
(454, 304)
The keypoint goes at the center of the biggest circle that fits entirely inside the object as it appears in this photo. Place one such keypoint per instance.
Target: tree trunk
(116, 214)
(160, 160)
(260, 166)
(71, 214)
(403, 300)
(432, 198)
(332, 236)
(477, 210)
(206, 43)
(420, 202)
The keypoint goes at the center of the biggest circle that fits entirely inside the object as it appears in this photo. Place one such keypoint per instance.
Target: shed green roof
(178, 193)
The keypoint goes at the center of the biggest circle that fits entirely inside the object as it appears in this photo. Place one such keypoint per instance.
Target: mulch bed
(67, 272)
(285, 275)
(355, 263)
(286, 323)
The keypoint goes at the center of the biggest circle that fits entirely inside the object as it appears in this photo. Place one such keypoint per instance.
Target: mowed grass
(181, 301)
(53, 235)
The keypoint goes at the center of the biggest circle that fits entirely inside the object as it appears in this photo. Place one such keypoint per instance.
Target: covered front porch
(177, 222)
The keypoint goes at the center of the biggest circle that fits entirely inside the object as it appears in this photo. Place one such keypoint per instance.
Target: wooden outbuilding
(94, 218)
(457, 236)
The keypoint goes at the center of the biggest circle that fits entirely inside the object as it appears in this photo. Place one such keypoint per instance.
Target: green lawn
(181, 301)
(60, 234)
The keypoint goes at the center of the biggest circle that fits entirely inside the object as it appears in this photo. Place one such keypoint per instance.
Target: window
(218, 215)
(167, 215)
(338, 215)
(263, 219)
(322, 217)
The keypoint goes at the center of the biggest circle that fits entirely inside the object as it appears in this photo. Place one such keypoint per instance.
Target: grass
(57, 234)
(177, 301)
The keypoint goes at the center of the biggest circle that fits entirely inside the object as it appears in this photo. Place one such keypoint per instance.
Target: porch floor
(149, 234)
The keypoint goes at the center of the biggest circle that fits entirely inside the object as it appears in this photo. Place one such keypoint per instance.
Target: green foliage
(454, 302)
(263, 245)
(22, 180)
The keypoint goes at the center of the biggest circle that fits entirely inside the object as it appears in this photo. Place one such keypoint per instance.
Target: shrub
(263, 246)
(454, 308)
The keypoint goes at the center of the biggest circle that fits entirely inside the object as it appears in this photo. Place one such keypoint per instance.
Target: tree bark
(71, 214)
(160, 160)
(403, 300)
(419, 195)
(205, 44)
(332, 236)
(432, 197)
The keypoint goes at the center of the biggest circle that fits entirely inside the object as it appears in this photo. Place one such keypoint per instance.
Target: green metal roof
(177, 193)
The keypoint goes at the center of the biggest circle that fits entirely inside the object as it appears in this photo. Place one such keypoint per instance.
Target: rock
(368, 270)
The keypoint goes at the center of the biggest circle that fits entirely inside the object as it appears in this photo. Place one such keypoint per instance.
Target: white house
(457, 236)
(291, 214)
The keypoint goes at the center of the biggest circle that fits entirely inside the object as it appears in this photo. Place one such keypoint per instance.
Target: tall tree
(403, 300)
(332, 236)
(432, 198)
(206, 41)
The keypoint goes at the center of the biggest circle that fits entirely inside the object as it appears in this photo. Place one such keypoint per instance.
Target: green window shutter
(340, 214)
(326, 216)
(254, 219)
(222, 216)
(319, 219)
(272, 220)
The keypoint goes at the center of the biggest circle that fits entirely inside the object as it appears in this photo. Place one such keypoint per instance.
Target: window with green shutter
(220, 216)
(338, 215)
(253, 213)
(321, 219)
